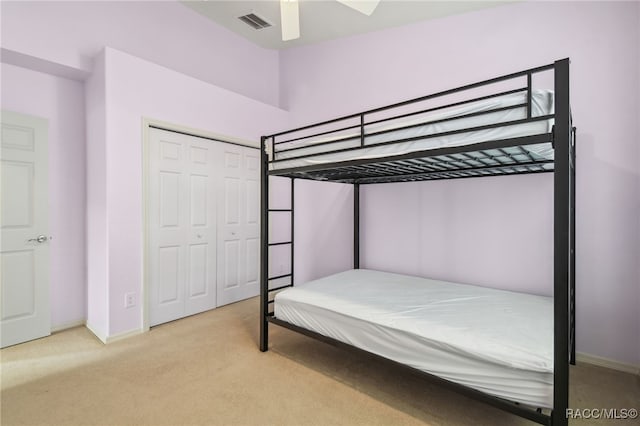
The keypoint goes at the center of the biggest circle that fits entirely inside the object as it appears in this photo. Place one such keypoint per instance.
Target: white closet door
(182, 225)
(24, 270)
(238, 224)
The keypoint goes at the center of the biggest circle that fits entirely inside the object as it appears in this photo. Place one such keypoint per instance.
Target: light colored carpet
(207, 370)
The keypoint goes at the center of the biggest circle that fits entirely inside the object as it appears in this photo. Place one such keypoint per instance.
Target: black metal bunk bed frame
(450, 163)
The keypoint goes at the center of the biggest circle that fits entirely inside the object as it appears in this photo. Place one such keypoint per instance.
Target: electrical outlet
(129, 300)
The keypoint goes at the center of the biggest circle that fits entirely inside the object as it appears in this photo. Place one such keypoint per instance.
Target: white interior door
(182, 226)
(238, 224)
(24, 249)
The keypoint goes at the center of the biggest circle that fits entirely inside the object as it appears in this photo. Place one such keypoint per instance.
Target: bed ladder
(266, 290)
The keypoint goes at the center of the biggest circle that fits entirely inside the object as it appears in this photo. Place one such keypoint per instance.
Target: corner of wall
(100, 334)
(282, 92)
(96, 220)
(34, 63)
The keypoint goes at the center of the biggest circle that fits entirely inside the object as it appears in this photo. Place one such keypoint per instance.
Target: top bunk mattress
(496, 341)
(318, 150)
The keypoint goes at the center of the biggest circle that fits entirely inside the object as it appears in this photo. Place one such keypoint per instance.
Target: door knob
(40, 239)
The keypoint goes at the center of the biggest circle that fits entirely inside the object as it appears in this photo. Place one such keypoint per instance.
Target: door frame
(147, 125)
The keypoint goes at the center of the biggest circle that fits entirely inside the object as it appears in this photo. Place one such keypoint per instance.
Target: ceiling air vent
(254, 21)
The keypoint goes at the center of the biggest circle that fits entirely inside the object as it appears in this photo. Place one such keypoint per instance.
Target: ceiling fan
(290, 18)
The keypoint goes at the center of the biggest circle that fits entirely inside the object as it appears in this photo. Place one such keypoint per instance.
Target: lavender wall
(72, 33)
(456, 231)
(322, 229)
(135, 89)
(61, 102)
(442, 223)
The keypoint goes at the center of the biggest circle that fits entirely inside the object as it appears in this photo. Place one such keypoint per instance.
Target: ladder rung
(270, 302)
(279, 244)
(281, 287)
(281, 276)
(279, 210)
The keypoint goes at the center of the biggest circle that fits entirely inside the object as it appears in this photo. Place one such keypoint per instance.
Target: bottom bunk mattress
(498, 342)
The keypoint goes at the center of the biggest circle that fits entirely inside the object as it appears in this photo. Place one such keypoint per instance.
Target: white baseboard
(124, 335)
(100, 336)
(116, 337)
(67, 325)
(608, 363)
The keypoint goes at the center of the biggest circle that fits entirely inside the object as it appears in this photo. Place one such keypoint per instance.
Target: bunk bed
(507, 349)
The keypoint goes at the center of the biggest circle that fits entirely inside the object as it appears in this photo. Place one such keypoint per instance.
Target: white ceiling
(327, 19)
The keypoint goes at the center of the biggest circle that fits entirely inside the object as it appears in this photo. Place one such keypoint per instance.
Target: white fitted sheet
(542, 103)
(495, 341)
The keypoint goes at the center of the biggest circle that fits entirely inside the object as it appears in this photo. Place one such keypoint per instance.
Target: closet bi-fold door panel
(182, 225)
(238, 224)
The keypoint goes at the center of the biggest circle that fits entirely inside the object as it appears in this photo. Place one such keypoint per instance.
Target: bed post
(292, 217)
(572, 282)
(356, 226)
(572, 253)
(562, 240)
(264, 245)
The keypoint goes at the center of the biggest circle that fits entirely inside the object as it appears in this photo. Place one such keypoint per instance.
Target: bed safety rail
(388, 126)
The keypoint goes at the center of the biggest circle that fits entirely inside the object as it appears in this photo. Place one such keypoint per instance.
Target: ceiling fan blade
(289, 19)
(363, 6)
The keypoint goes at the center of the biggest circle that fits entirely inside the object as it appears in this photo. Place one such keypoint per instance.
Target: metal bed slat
(527, 153)
(506, 154)
(422, 167)
(428, 153)
(389, 168)
(428, 164)
(489, 171)
(455, 160)
(429, 175)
